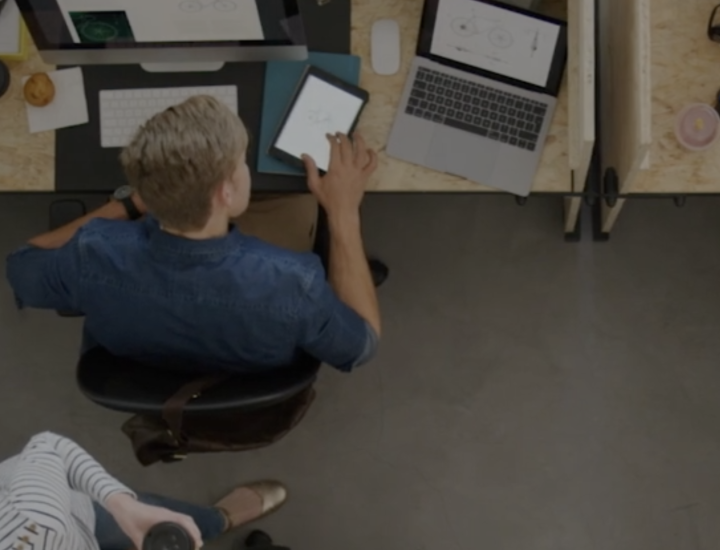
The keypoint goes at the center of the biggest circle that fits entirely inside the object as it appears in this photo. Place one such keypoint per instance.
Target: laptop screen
(495, 39)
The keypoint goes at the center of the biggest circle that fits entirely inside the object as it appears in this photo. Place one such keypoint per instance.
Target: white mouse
(385, 46)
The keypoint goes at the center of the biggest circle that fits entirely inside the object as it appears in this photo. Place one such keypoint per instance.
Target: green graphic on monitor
(102, 26)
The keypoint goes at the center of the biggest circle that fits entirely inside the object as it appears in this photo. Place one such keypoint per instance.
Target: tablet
(322, 104)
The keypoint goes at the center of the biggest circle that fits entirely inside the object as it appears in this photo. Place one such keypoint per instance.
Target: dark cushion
(126, 385)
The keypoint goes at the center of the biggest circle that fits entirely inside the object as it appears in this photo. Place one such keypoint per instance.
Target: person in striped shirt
(55, 496)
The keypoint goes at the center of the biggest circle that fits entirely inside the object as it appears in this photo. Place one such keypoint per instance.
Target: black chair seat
(128, 386)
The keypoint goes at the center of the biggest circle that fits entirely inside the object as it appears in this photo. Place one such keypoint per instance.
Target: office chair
(125, 385)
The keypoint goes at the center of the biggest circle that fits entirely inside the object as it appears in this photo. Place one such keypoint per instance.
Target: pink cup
(697, 126)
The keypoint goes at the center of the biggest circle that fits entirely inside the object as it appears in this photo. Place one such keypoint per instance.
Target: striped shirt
(46, 495)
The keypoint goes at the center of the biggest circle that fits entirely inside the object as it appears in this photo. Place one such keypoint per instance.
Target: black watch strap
(132, 210)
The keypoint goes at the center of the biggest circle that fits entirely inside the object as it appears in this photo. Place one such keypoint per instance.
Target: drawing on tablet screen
(317, 116)
(192, 6)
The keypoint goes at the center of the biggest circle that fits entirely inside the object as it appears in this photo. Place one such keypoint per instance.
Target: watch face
(122, 192)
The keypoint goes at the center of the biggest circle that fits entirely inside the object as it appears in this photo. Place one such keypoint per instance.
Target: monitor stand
(197, 67)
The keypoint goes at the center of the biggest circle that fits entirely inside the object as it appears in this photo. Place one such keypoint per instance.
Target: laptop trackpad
(462, 154)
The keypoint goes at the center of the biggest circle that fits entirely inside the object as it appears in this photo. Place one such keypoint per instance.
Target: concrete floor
(530, 394)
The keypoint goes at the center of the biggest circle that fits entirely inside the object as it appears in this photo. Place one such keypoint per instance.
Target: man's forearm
(349, 271)
(57, 238)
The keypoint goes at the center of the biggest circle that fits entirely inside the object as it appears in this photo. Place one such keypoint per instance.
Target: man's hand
(136, 519)
(340, 191)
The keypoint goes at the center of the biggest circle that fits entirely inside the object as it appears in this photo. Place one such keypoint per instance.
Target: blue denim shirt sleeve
(333, 332)
(45, 278)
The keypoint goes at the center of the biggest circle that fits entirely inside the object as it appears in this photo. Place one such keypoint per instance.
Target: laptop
(481, 92)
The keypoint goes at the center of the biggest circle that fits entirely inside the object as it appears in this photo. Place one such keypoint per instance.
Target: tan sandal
(234, 505)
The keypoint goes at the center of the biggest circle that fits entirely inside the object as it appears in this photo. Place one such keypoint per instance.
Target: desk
(27, 161)
(661, 61)
(566, 157)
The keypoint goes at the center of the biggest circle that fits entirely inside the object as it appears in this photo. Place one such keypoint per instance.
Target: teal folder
(281, 79)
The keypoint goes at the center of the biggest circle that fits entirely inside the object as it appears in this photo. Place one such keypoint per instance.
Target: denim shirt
(234, 302)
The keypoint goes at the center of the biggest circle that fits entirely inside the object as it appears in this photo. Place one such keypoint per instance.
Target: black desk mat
(81, 165)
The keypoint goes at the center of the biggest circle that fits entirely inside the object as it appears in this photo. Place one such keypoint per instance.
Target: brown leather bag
(172, 436)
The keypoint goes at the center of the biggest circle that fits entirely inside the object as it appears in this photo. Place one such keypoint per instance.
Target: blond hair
(179, 157)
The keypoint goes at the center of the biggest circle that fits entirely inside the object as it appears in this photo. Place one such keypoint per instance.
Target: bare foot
(252, 501)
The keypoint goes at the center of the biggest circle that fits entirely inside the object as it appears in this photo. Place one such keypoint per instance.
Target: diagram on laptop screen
(495, 39)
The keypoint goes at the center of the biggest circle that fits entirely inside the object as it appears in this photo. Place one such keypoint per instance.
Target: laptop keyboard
(478, 109)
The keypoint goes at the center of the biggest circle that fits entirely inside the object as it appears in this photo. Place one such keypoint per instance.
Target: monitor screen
(121, 24)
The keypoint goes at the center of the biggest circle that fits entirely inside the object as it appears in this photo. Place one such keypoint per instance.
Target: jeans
(210, 521)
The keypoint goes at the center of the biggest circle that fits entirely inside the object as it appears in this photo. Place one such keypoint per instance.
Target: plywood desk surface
(27, 160)
(684, 69)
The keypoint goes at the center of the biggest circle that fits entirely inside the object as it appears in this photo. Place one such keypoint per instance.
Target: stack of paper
(68, 107)
(11, 32)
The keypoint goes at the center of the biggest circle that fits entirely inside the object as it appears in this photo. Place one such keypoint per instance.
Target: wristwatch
(123, 194)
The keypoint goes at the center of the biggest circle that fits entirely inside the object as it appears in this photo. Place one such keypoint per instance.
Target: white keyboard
(122, 112)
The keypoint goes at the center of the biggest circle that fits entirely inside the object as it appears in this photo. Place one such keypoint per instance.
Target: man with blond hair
(183, 283)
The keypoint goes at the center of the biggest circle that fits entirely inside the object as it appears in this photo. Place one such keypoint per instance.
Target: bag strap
(172, 411)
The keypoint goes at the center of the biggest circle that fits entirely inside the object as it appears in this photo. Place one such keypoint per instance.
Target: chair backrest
(125, 385)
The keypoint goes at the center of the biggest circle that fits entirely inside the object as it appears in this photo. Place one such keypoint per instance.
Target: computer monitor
(165, 35)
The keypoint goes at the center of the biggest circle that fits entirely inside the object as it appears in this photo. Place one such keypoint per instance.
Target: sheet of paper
(161, 20)
(68, 107)
(494, 39)
(10, 28)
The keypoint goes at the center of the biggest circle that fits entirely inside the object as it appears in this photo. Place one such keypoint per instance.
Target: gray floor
(530, 394)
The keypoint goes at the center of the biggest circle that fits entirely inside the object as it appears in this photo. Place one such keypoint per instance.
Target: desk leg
(573, 206)
(609, 215)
